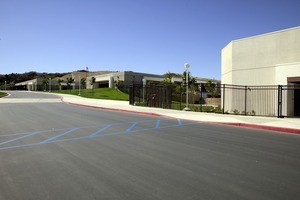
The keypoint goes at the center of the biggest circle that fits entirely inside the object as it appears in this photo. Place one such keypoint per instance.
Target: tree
(210, 87)
(118, 83)
(59, 82)
(70, 81)
(191, 80)
(168, 77)
(191, 84)
(82, 81)
(92, 82)
(45, 83)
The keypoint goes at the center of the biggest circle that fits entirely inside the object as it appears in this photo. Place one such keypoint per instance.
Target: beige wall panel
(265, 76)
(286, 70)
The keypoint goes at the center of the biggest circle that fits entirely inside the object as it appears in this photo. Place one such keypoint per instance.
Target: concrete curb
(116, 109)
(263, 127)
(245, 125)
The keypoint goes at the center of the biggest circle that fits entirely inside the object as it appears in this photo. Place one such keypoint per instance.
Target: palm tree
(168, 77)
(191, 83)
(191, 80)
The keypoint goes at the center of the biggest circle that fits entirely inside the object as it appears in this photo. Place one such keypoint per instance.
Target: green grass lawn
(99, 93)
(2, 94)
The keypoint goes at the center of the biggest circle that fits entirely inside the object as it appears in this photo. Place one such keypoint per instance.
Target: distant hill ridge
(20, 77)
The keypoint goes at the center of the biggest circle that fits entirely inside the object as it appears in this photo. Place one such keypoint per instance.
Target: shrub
(218, 109)
(236, 112)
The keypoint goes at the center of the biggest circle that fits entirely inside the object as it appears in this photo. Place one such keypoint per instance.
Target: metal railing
(265, 100)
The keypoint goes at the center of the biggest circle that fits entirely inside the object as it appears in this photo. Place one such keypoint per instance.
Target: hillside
(13, 78)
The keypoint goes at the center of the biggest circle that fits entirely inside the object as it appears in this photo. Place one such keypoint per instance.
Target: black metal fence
(151, 95)
(270, 100)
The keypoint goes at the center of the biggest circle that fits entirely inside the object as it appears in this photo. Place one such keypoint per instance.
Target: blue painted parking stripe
(87, 137)
(19, 146)
(157, 123)
(131, 127)
(45, 131)
(99, 131)
(26, 133)
(82, 127)
(163, 127)
(179, 122)
(57, 136)
(19, 138)
(149, 129)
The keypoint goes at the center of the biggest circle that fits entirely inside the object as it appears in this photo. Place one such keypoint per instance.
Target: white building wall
(283, 71)
(267, 59)
(226, 70)
(253, 60)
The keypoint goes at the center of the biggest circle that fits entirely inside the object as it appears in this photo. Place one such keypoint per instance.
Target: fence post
(201, 97)
(139, 93)
(180, 97)
(223, 110)
(131, 94)
(245, 100)
(279, 111)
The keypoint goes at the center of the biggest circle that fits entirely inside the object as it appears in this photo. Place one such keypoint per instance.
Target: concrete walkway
(289, 125)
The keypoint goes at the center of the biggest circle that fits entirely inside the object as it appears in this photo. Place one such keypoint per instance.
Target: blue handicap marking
(19, 138)
(55, 137)
(88, 132)
(95, 134)
(131, 127)
(157, 123)
(179, 122)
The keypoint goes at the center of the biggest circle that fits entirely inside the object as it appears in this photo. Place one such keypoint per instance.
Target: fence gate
(159, 96)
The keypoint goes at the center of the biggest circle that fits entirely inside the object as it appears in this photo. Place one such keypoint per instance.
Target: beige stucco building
(129, 77)
(267, 59)
(108, 80)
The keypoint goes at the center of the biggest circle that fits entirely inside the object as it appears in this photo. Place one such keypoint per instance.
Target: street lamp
(144, 84)
(187, 66)
(79, 85)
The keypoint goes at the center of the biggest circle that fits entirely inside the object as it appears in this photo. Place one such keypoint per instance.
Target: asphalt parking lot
(52, 150)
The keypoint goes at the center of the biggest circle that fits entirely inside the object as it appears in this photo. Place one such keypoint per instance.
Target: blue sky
(153, 36)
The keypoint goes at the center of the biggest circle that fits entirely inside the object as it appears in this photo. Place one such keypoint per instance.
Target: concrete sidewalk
(289, 125)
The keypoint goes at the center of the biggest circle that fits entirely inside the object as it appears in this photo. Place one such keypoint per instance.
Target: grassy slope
(99, 93)
(2, 94)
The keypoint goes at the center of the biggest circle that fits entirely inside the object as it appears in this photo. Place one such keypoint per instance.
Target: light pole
(187, 66)
(5, 85)
(79, 85)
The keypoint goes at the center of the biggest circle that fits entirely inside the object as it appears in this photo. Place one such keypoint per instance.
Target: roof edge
(269, 33)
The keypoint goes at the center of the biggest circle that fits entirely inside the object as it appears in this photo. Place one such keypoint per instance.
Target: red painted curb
(115, 109)
(254, 126)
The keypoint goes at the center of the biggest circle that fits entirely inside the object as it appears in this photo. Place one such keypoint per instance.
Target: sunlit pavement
(289, 125)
